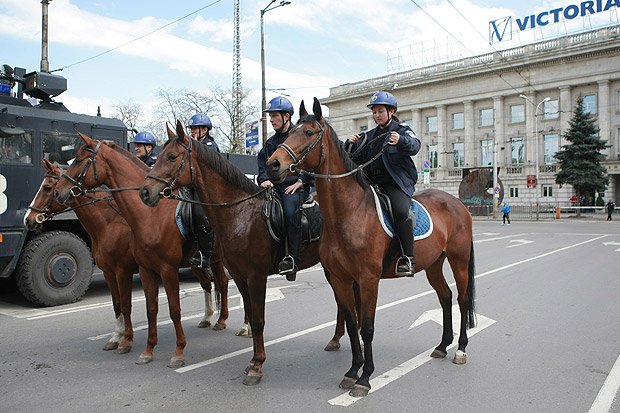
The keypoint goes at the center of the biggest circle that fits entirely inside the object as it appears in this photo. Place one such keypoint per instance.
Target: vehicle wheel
(54, 268)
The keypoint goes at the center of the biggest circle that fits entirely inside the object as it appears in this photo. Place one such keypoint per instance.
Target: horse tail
(471, 289)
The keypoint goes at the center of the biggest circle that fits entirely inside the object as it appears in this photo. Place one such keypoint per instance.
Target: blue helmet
(383, 98)
(280, 104)
(146, 138)
(200, 119)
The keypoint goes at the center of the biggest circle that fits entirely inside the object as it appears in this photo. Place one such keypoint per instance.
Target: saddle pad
(423, 222)
(183, 227)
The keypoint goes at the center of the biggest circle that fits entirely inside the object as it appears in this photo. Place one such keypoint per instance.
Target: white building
(460, 109)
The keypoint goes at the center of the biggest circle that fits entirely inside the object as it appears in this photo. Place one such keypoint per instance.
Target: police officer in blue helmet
(293, 190)
(200, 127)
(144, 143)
(394, 171)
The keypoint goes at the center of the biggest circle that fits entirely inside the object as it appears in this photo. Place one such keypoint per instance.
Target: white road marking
(520, 242)
(612, 243)
(607, 393)
(498, 238)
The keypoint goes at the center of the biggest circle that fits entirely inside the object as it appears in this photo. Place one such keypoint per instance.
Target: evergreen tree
(580, 161)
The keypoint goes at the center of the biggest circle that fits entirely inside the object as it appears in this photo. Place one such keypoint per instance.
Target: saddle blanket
(423, 221)
(181, 220)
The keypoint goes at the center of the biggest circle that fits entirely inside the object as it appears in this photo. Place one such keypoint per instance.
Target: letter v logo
(498, 29)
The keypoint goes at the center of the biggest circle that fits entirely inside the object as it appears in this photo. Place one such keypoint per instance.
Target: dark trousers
(506, 217)
(202, 228)
(291, 205)
(404, 221)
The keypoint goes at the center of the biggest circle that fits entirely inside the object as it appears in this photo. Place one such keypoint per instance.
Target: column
(442, 136)
(471, 154)
(498, 136)
(604, 110)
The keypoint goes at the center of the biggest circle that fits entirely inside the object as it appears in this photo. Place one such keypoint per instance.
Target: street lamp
(263, 117)
(536, 146)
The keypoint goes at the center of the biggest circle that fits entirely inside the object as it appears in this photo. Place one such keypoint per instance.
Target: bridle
(167, 191)
(297, 160)
(76, 190)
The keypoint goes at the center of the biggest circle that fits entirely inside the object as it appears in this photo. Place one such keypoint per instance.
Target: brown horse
(351, 230)
(158, 246)
(110, 234)
(234, 205)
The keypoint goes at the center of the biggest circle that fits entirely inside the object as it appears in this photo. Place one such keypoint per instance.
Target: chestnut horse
(351, 229)
(158, 246)
(110, 235)
(234, 205)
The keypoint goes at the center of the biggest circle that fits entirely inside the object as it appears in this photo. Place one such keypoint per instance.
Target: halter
(167, 191)
(76, 190)
(298, 160)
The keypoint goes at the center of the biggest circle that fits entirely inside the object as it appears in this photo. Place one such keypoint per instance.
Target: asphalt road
(548, 340)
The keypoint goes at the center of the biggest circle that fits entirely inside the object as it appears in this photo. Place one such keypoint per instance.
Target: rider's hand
(294, 187)
(354, 138)
(266, 184)
(394, 138)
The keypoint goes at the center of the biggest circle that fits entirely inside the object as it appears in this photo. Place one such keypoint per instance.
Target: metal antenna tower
(237, 127)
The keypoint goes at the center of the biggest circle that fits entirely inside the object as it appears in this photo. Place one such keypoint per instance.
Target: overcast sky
(310, 45)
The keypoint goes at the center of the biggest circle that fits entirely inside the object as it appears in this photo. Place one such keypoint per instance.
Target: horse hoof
(333, 345)
(176, 362)
(252, 379)
(243, 332)
(347, 383)
(460, 357)
(204, 324)
(123, 350)
(219, 326)
(438, 354)
(359, 391)
(110, 345)
(144, 359)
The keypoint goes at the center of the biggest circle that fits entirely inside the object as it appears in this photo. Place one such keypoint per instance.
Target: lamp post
(263, 117)
(537, 189)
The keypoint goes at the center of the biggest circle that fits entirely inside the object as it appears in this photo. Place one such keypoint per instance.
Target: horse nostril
(144, 193)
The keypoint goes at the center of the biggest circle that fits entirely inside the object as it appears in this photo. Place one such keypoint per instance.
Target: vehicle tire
(54, 268)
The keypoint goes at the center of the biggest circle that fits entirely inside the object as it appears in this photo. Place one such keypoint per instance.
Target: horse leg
(245, 330)
(170, 279)
(221, 287)
(256, 302)
(125, 282)
(334, 343)
(205, 283)
(366, 296)
(464, 275)
(110, 280)
(436, 279)
(151, 290)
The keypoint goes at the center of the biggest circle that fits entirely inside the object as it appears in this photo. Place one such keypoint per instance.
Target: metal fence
(542, 212)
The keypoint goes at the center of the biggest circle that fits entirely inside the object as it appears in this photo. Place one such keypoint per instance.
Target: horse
(234, 205)
(158, 246)
(109, 234)
(357, 252)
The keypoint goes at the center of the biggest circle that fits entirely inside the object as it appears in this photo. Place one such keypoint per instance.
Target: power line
(138, 38)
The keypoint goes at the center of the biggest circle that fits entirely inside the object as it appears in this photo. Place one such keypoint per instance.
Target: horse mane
(348, 163)
(127, 155)
(229, 172)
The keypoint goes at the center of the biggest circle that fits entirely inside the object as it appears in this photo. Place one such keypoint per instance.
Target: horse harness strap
(76, 190)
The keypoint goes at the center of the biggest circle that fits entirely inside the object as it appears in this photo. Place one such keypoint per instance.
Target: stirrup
(199, 260)
(287, 267)
(405, 267)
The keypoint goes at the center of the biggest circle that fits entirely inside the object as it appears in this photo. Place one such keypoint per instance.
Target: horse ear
(171, 134)
(182, 136)
(302, 110)
(86, 139)
(46, 164)
(316, 108)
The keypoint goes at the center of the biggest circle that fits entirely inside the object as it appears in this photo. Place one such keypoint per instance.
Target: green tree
(580, 161)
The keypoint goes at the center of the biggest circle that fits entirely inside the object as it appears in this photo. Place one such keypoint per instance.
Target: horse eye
(172, 157)
(309, 133)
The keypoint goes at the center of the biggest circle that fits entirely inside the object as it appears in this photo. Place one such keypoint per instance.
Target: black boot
(288, 267)
(405, 266)
(202, 257)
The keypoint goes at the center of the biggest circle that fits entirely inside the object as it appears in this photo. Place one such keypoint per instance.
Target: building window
(551, 147)
(432, 155)
(517, 150)
(486, 117)
(431, 124)
(589, 104)
(514, 191)
(458, 120)
(517, 113)
(551, 109)
(486, 152)
(547, 191)
(458, 150)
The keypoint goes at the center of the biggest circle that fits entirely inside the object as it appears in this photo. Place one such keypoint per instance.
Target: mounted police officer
(144, 144)
(394, 171)
(293, 190)
(200, 127)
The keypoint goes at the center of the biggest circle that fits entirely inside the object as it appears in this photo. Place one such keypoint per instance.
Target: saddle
(184, 217)
(423, 220)
(311, 221)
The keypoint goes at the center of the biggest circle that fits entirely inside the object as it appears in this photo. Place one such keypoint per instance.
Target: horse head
(43, 206)
(169, 172)
(82, 174)
(303, 148)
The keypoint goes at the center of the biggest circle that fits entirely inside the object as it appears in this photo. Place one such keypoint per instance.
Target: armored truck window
(16, 149)
(60, 149)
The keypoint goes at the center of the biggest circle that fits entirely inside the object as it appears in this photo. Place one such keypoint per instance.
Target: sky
(111, 51)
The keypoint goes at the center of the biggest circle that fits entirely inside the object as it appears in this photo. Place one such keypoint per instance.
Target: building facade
(510, 107)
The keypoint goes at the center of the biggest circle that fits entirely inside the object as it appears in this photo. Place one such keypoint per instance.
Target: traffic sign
(426, 164)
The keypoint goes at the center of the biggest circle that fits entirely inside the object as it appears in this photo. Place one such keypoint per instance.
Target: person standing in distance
(144, 144)
(506, 214)
(200, 127)
(293, 190)
(394, 171)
